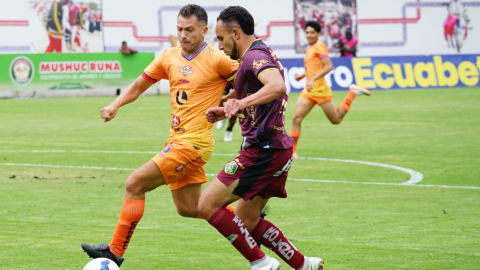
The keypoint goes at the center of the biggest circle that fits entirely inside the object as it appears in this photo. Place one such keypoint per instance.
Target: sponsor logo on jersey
(186, 70)
(231, 167)
(179, 168)
(175, 120)
(21, 70)
(184, 97)
(259, 64)
(184, 81)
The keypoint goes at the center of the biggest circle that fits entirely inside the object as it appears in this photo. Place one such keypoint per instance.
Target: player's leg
(271, 236)
(142, 180)
(336, 115)
(302, 108)
(228, 132)
(186, 200)
(212, 206)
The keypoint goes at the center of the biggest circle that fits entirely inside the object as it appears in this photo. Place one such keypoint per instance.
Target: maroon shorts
(262, 172)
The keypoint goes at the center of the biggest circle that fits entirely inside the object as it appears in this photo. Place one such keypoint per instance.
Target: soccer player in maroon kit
(261, 169)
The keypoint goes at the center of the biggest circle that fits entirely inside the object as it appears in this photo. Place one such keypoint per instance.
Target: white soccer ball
(101, 264)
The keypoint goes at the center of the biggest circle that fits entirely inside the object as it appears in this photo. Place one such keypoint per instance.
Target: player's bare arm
(299, 76)
(327, 68)
(130, 94)
(273, 88)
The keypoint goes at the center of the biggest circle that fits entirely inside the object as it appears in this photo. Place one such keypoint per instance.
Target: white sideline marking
(209, 174)
(415, 177)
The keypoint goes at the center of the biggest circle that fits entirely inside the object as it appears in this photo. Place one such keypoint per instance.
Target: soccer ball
(101, 264)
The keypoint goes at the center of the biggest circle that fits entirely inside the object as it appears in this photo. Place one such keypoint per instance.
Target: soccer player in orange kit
(317, 91)
(198, 73)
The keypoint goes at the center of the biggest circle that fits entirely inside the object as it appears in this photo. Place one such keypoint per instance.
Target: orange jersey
(313, 65)
(196, 84)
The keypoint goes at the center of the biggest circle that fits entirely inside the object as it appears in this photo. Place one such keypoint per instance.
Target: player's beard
(234, 54)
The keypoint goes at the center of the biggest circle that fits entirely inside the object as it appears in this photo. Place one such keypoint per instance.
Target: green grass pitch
(47, 212)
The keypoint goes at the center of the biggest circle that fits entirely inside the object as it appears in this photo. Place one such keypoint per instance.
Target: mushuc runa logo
(21, 71)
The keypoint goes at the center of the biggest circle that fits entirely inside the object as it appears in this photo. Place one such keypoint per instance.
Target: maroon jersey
(262, 124)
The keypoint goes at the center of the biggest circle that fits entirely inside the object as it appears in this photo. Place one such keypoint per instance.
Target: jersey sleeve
(226, 67)
(259, 61)
(322, 51)
(155, 71)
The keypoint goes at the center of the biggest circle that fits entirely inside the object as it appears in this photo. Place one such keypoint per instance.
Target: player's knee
(134, 184)
(335, 121)
(204, 209)
(188, 212)
(297, 119)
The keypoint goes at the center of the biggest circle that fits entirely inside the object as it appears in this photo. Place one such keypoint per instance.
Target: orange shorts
(314, 99)
(180, 164)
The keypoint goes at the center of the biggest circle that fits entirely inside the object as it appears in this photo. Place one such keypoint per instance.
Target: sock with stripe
(232, 228)
(273, 238)
(132, 212)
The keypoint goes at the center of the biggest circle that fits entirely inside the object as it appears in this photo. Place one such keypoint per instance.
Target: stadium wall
(404, 37)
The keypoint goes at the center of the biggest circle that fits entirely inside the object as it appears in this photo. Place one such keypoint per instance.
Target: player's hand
(108, 113)
(215, 114)
(310, 85)
(233, 106)
(223, 100)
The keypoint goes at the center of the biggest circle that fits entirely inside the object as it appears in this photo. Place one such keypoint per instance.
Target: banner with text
(398, 72)
(70, 71)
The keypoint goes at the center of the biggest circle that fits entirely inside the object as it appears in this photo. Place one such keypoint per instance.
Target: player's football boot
(220, 124)
(228, 136)
(268, 264)
(295, 155)
(312, 263)
(358, 90)
(102, 251)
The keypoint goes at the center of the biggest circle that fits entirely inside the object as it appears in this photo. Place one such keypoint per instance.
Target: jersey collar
(199, 50)
(249, 47)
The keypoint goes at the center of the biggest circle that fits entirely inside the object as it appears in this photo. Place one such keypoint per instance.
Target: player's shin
(232, 228)
(132, 212)
(273, 238)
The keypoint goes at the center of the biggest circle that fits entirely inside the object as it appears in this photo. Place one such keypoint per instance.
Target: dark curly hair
(314, 24)
(240, 16)
(191, 10)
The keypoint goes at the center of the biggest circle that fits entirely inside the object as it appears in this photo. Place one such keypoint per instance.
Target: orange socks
(295, 135)
(229, 208)
(132, 212)
(347, 102)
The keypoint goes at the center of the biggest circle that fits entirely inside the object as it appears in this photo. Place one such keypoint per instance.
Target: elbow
(282, 89)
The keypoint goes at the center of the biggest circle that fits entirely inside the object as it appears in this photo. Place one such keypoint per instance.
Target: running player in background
(260, 171)
(197, 73)
(316, 91)
(231, 121)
